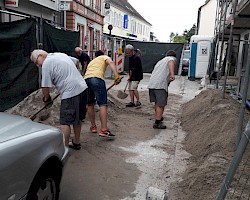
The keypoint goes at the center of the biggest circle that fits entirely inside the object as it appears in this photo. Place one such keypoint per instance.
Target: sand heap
(33, 103)
(211, 124)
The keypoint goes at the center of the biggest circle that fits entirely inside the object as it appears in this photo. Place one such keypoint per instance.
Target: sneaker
(75, 146)
(138, 103)
(159, 126)
(106, 133)
(93, 129)
(130, 104)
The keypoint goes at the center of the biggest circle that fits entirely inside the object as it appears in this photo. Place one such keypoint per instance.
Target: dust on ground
(209, 122)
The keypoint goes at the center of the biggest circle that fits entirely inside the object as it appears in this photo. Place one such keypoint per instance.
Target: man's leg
(131, 94)
(136, 94)
(91, 114)
(158, 112)
(66, 131)
(103, 117)
(77, 133)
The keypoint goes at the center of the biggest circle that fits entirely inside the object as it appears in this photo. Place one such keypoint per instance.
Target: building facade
(206, 18)
(122, 22)
(86, 16)
(41, 9)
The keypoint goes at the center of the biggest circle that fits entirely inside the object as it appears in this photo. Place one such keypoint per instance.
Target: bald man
(83, 58)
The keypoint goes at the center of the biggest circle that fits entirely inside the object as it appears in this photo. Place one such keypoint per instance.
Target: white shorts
(133, 85)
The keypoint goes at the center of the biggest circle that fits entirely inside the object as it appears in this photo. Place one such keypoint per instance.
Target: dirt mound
(33, 103)
(211, 125)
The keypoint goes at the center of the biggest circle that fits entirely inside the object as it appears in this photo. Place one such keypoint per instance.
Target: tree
(185, 37)
(171, 37)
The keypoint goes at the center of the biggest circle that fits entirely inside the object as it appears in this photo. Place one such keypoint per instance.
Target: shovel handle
(34, 116)
(126, 87)
(112, 85)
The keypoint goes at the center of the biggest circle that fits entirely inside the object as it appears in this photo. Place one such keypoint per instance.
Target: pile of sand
(211, 125)
(33, 103)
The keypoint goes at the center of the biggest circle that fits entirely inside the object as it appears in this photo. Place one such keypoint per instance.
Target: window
(115, 19)
(107, 18)
(120, 21)
(87, 2)
(80, 28)
(112, 18)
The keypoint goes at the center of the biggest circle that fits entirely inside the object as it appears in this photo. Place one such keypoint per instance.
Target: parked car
(32, 157)
(185, 62)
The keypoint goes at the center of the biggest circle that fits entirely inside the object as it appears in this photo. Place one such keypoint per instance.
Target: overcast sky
(168, 16)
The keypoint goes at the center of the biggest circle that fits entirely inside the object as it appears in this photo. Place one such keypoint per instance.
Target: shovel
(123, 94)
(46, 106)
(113, 85)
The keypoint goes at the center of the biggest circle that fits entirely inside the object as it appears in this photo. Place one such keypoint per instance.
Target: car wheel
(44, 186)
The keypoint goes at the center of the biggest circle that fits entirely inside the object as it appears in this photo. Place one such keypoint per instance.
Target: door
(202, 58)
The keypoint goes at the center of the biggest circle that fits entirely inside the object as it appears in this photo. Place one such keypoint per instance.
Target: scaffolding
(225, 27)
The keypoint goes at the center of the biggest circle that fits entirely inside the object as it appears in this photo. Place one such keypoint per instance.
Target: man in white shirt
(60, 70)
(160, 79)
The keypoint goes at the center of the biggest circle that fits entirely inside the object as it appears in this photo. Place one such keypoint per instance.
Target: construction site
(188, 160)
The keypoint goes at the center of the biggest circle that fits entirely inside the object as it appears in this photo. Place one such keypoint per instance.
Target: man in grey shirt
(60, 70)
(160, 79)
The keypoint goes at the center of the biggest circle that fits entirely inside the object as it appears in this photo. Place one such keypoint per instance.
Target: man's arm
(46, 95)
(171, 70)
(76, 61)
(84, 67)
(117, 78)
(112, 65)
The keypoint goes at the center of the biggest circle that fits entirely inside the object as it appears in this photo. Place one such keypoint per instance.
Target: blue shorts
(97, 91)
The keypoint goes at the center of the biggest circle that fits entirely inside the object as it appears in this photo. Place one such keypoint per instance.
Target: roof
(125, 5)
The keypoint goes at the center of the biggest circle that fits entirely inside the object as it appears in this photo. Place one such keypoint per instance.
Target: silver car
(32, 157)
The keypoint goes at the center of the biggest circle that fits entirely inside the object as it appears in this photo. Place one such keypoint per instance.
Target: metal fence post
(244, 96)
(229, 52)
(234, 164)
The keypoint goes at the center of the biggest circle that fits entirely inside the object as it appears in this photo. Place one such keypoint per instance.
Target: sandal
(75, 146)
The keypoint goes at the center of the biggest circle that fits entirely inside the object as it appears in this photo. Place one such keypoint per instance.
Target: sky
(168, 16)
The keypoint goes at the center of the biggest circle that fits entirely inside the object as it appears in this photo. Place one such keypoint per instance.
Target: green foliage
(185, 37)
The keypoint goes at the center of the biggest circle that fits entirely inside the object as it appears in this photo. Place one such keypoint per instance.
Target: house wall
(207, 18)
(136, 29)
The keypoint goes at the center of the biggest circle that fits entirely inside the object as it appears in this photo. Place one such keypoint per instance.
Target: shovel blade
(122, 95)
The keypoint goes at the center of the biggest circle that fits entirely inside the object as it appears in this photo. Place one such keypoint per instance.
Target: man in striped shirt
(160, 79)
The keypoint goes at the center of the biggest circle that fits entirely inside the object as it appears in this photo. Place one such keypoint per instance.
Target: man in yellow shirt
(97, 92)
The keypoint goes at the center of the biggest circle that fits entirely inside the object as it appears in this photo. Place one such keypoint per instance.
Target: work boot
(130, 104)
(159, 126)
(138, 103)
